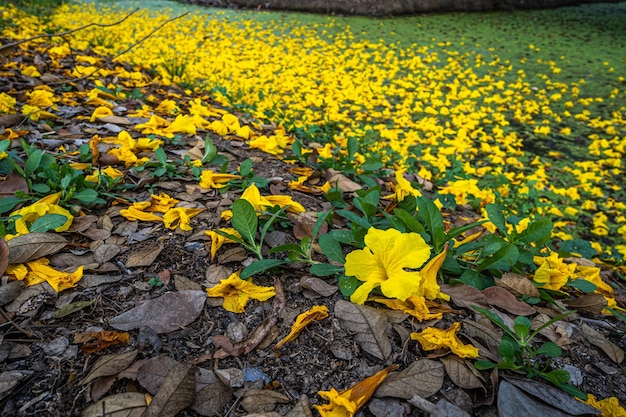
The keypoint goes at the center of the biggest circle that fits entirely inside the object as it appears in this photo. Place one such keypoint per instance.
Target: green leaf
(288, 247)
(558, 376)
(9, 203)
(502, 260)
(325, 270)
(321, 218)
(260, 266)
(456, 231)
(522, 327)
(537, 232)
(343, 236)
(210, 150)
(577, 247)
(86, 196)
(161, 156)
(354, 218)
(347, 285)
(331, 248)
(41, 188)
(482, 365)
(245, 168)
(475, 279)
(572, 390)
(495, 213)
(409, 221)
(433, 221)
(33, 162)
(582, 285)
(47, 222)
(550, 349)
(495, 319)
(244, 220)
(508, 348)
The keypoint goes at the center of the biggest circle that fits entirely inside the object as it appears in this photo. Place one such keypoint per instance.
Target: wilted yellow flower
(180, 217)
(432, 338)
(610, 407)
(237, 292)
(347, 403)
(38, 271)
(315, 313)
(7, 103)
(553, 273)
(137, 211)
(161, 203)
(217, 240)
(416, 305)
(403, 188)
(211, 179)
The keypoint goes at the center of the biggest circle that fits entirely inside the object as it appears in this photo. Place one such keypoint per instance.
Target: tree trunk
(400, 7)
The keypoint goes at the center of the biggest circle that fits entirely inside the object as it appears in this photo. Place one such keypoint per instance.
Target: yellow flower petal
(237, 292)
(217, 240)
(180, 217)
(432, 339)
(315, 313)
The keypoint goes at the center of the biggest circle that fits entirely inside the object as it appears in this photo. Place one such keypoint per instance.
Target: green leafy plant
(519, 353)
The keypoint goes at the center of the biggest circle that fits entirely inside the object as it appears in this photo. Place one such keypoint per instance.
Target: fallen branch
(11, 46)
(124, 51)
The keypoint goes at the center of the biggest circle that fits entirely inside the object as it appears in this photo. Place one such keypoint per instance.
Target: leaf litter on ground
(356, 342)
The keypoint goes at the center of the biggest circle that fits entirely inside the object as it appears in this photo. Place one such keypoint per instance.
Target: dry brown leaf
(31, 246)
(301, 409)
(499, 297)
(557, 398)
(8, 120)
(176, 393)
(369, 326)
(234, 254)
(337, 179)
(116, 120)
(105, 253)
(211, 393)
(153, 371)
(82, 223)
(110, 365)
(12, 183)
(465, 296)
(597, 339)
(94, 233)
(589, 303)
(105, 339)
(144, 256)
(164, 314)
(10, 291)
(318, 286)
(4, 256)
(462, 372)
(517, 284)
(556, 332)
(100, 386)
(262, 401)
(126, 404)
(423, 377)
(214, 274)
(483, 333)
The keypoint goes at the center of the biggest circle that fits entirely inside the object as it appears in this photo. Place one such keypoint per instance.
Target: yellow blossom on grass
(432, 339)
(553, 273)
(346, 403)
(38, 271)
(217, 240)
(109, 171)
(384, 263)
(237, 292)
(610, 407)
(211, 179)
(180, 217)
(315, 313)
(403, 188)
(259, 202)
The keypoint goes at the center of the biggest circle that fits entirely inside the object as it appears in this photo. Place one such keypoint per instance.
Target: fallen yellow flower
(384, 262)
(432, 339)
(416, 306)
(100, 112)
(403, 188)
(211, 179)
(315, 313)
(553, 273)
(137, 212)
(38, 271)
(217, 240)
(28, 215)
(237, 292)
(609, 406)
(347, 403)
(180, 217)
